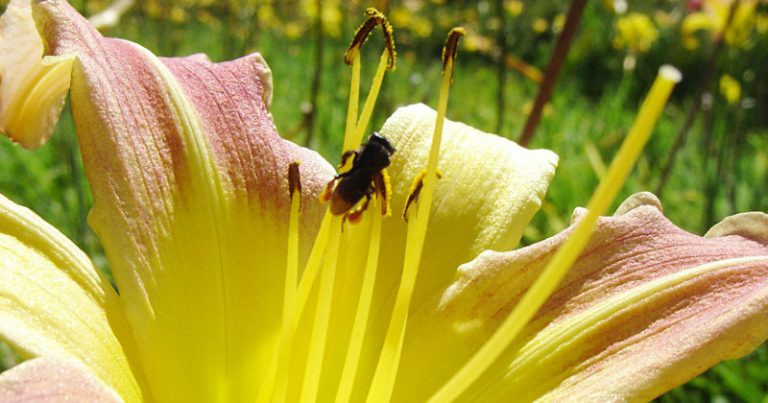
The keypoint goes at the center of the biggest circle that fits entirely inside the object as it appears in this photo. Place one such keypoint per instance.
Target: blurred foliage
(721, 169)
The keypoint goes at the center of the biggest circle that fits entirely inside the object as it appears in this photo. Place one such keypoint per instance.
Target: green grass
(50, 180)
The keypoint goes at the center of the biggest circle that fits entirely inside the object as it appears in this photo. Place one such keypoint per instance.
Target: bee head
(382, 141)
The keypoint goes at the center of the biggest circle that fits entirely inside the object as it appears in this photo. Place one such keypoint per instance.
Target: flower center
(305, 361)
(325, 252)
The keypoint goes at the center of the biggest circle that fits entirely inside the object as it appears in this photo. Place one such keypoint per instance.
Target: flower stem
(314, 93)
(693, 113)
(553, 69)
(501, 68)
(565, 256)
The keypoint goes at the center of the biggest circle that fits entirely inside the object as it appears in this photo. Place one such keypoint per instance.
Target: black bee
(366, 177)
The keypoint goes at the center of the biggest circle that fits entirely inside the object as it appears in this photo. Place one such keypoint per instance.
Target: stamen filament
(291, 278)
(311, 269)
(314, 363)
(352, 360)
(370, 101)
(543, 287)
(278, 371)
(351, 140)
(354, 99)
(386, 369)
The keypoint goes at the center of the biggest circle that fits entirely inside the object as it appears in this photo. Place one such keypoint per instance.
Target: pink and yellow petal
(190, 201)
(33, 88)
(54, 303)
(49, 380)
(646, 307)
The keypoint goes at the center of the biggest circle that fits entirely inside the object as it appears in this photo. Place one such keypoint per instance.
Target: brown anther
(416, 187)
(375, 17)
(450, 48)
(294, 178)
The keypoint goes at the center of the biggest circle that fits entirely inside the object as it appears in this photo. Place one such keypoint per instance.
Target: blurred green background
(719, 169)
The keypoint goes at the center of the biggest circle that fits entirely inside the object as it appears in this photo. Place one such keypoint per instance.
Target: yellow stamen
(362, 313)
(311, 269)
(350, 142)
(291, 277)
(353, 133)
(354, 98)
(331, 227)
(314, 364)
(543, 287)
(386, 369)
(413, 194)
(277, 373)
(370, 101)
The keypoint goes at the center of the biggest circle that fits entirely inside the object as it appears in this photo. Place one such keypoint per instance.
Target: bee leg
(355, 215)
(328, 191)
(413, 195)
(382, 187)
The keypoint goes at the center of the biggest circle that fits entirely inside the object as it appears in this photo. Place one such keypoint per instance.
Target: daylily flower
(730, 88)
(636, 33)
(714, 18)
(201, 225)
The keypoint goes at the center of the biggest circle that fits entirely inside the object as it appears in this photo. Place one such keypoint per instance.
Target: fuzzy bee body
(364, 178)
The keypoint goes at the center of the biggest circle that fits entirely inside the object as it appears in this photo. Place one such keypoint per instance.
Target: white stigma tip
(671, 73)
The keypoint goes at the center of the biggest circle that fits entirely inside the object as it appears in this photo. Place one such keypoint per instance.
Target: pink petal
(52, 380)
(190, 188)
(640, 347)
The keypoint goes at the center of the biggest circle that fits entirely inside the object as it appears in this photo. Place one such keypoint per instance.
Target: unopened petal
(32, 89)
(54, 303)
(646, 307)
(190, 184)
(49, 380)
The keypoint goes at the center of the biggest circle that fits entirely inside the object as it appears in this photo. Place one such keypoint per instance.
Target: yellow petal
(489, 191)
(190, 184)
(54, 303)
(49, 380)
(32, 89)
(646, 307)
(694, 22)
